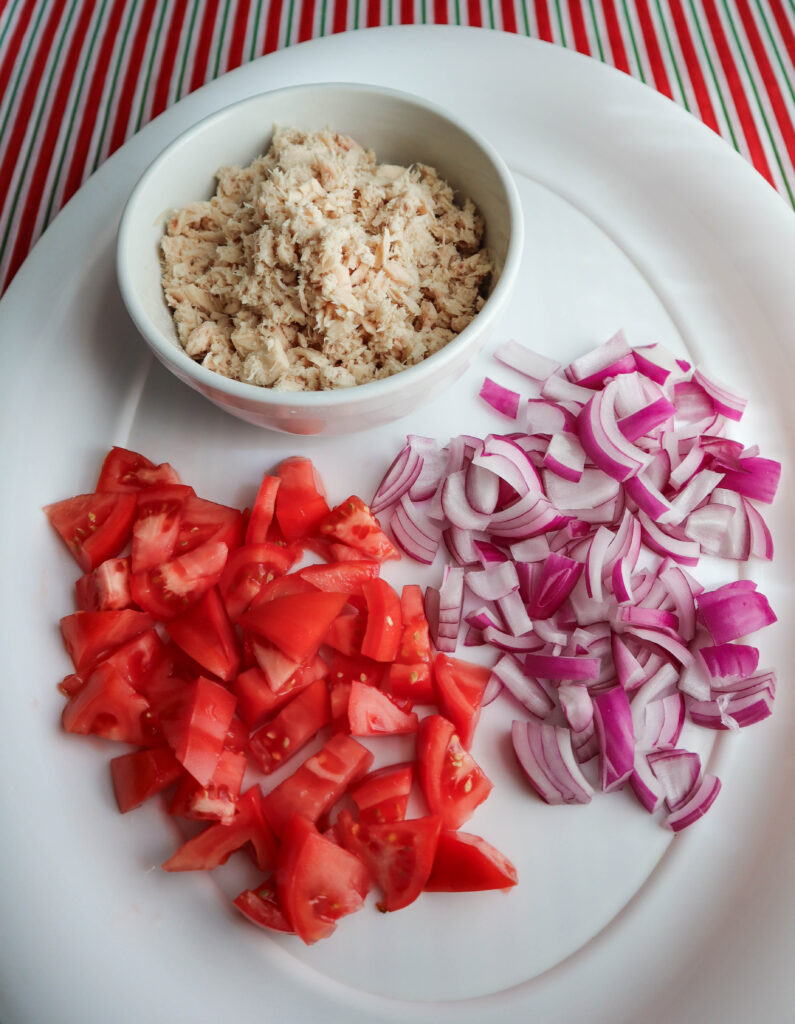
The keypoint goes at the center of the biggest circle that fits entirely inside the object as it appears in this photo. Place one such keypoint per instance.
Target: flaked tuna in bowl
(321, 259)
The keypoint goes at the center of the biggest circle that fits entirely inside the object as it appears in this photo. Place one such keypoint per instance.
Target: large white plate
(637, 216)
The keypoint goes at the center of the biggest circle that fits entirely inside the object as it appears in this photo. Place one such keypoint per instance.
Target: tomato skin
(195, 727)
(141, 774)
(275, 743)
(256, 698)
(399, 854)
(317, 784)
(217, 801)
(372, 713)
(106, 588)
(317, 882)
(415, 641)
(384, 621)
(352, 524)
(261, 906)
(91, 636)
(341, 577)
(411, 682)
(107, 706)
(346, 633)
(170, 588)
(467, 863)
(296, 623)
(262, 512)
(452, 782)
(125, 471)
(203, 521)
(95, 527)
(248, 570)
(205, 633)
(460, 686)
(300, 501)
(277, 668)
(382, 796)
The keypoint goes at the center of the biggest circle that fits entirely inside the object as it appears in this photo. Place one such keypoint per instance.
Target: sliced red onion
(645, 784)
(629, 670)
(482, 489)
(558, 389)
(456, 506)
(526, 690)
(696, 805)
(693, 404)
(758, 479)
(651, 416)
(604, 443)
(556, 581)
(495, 581)
(737, 708)
(648, 497)
(591, 369)
(727, 402)
(657, 363)
(514, 613)
(493, 689)
(592, 489)
(461, 545)
(613, 718)
(677, 772)
(397, 480)
(547, 418)
(433, 464)
(510, 643)
(571, 670)
(662, 639)
(415, 534)
(500, 398)
(534, 549)
(682, 550)
(545, 754)
(697, 490)
(510, 463)
(760, 539)
(732, 612)
(729, 661)
(565, 457)
(481, 618)
(523, 359)
(663, 721)
(546, 630)
(577, 705)
(709, 527)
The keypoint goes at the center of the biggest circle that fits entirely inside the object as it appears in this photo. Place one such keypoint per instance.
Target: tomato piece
(297, 623)
(205, 633)
(372, 713)
(216, 843)
(91, 636)
(453, 783)
(384, 621)
(202, 521)
(346, 633)
(317, 882)
(256, 698)
(217, 801)
(317, 784)
(262, 513)
(415, 641)
(341, 577)
(283, 586)
(362, 670)
(195, 727)
(124, 471)
(460, 686)
(134, 660)
(141, 774)
(399, 854)
(170, 588)
(261, 906)
(106, 588)
(339, 698)
(277, 668)
(250, 568)
(280, 739)
(154, 537)
(467, 863)
(300, 499)
(411, 682)
(353, 524)
(383, 795)
(107, 706)
(95, 527)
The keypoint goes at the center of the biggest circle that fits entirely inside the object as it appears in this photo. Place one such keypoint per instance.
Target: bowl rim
(175, 356)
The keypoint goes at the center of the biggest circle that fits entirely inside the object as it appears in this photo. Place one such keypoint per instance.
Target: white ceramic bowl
(401, 129)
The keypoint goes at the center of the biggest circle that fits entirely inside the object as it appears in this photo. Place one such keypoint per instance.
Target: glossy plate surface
(637, 217)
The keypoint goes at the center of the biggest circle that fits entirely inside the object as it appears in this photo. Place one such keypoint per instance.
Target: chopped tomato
(383, 795)
(262, 513)
(217, 801)
(106, 588)
(126, 471)
(280, 739)
(452, 782)
(362, 670)
(384, 621)
(205, 633)
(261, 906)
(277, 668)
(467, 863)
(141, 774)
(341, 577)
(318, 783)
(256, 698)
(317, 882)
(411, 682)
(297, 623)
(137, 658)
(399, 854)
(300, 499)
(202, 521)
(353, 524)
(372, 713)
(90, 636)
(283, 586)
(95, 527)
(196, 725)
(415, 643)
(215, 844)
(248, 570)
(170, 588)
(339, 699)
(346, 633)
(107, 706)
(460, 686)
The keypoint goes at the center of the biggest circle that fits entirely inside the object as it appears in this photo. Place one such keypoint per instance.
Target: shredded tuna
(316, 268)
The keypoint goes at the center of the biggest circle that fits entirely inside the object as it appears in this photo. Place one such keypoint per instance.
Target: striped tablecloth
(78, 77)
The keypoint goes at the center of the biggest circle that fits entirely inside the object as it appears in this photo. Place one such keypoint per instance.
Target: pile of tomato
(204, 639)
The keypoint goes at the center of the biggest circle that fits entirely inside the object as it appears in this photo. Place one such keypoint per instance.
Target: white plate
(637, 216)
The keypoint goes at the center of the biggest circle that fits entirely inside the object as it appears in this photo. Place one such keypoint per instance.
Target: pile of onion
(571, 538)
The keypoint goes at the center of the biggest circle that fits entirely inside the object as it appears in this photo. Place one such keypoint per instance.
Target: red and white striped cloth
(78, 77)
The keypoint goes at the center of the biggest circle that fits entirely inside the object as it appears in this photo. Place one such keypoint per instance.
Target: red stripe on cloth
(614, 36)
(543, 21)
(339, 20)
(46, 145)
(169, 57)
(27, 103)
(306, 22)
(440, 12)
(784, 27)
(14, 44)
(88, 114)
(705, 108)
(373, 13)
(741, 105)
(406, 12)
(130, 83)
(578, 28)
(508, 15)
(272, 26)
(236, 43)
(768, 77)
(474, 13)
(653, 49)
(201, 57)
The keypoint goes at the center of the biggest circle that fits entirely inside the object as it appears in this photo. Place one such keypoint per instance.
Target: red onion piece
(558, 389)
(645, 784)
(496, 580)
(651, 416)
(597, 360)
(615, 730)
(663, 721)
(556, 581)
(730, 661)
(523, 359)
(727, 402)
(565, 457)
(415, 534)
(500, 398)
(696, 805)
(547, 418)
(732, 612)
(570, 669)
(510, 463)
(397, 480)
(526, 690)
(677, 772)
(758, 479)
(514, 613)
(577, 705)
(545, 754)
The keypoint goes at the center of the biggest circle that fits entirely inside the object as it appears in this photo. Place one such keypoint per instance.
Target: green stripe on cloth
(186, 49)
(150, 66)
(672, 55)
(711, 66)
(109, 104)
